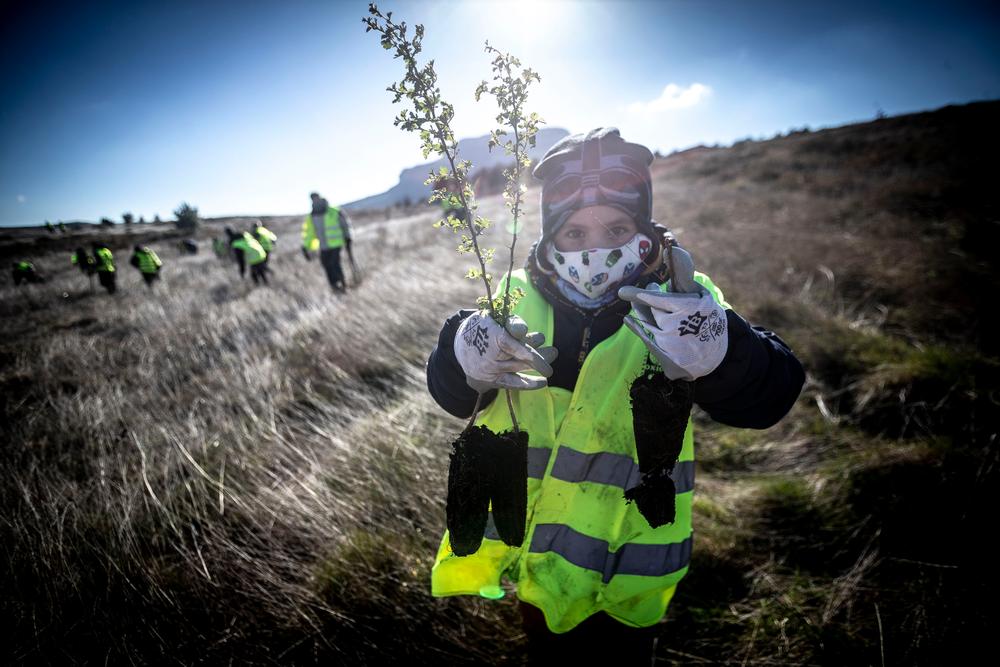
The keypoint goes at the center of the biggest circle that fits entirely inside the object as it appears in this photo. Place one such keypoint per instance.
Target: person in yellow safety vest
(148, 263)
(83, 261)
(24, 272)
(333, 235)
(248, 251)
(105, 262)
(592, 571)
(266, 238)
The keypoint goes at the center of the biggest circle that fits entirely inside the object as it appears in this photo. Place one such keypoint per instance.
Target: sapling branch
(418, 86)
(431, 117)
(511, 93)
(486, 469)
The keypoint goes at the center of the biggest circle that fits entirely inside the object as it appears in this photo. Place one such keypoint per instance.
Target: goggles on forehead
(616, 181)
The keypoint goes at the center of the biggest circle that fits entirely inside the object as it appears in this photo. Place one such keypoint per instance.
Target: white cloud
(673, 97)
(21, 199)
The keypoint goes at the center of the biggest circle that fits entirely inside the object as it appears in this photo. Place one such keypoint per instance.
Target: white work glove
(686, 330)
(491, 356)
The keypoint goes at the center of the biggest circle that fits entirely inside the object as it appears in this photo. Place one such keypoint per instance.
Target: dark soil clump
(660, 411)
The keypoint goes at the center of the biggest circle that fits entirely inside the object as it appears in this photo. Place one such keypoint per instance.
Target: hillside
(218, 473)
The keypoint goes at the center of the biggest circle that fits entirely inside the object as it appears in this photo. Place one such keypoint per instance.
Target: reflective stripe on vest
(602, 468)
(585, 549)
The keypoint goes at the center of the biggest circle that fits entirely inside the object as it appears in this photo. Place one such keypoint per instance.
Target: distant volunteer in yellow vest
(591, 567)
(24, 272)
(248, 251)
(83, 261)
(105, 263)
(148, 263)
(327, 230)
(265, 237)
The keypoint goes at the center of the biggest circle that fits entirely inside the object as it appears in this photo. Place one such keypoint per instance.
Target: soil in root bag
(468, 489)
(509, 485)
(660, 411)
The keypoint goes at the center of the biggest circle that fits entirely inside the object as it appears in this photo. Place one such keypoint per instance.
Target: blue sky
(245, 107)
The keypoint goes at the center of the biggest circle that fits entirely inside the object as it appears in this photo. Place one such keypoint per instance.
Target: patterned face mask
(594, 272)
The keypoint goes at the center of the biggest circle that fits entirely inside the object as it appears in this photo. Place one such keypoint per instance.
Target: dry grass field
(216, 473)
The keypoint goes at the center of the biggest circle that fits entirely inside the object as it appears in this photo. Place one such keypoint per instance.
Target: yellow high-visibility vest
(252, 250)
(266, 238)
(333, 232)
(105, 260)
(149, 262)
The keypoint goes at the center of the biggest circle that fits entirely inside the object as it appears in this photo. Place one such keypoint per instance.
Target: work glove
(685, 328)
(492, 357)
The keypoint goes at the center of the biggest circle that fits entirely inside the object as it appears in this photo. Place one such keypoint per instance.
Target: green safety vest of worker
(266, 238)
(585, 550)
(333, 231)
(253, 252)
(105, 260)
(148, 260)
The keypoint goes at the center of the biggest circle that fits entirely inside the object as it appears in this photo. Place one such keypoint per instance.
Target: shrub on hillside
(187, 216)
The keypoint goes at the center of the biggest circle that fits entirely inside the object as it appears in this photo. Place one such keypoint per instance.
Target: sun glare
(527, 21)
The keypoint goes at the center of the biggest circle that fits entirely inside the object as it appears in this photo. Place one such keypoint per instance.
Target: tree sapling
(484, 465)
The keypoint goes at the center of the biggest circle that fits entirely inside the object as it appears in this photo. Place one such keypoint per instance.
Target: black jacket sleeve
(445, 378)
(757, 382)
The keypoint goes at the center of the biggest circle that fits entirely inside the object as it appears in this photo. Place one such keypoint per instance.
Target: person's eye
(618, 230)
(574, 234)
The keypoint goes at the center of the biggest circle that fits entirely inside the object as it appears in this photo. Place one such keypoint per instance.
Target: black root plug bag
(660, 411)
(509, 485)
(468, 489)
(487, 466)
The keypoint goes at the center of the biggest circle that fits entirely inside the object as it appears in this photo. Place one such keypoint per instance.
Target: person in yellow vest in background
(24, 272)
(105, 262)
(592, 572)
(327, 230)
(266, 238)
(83, 261)
(148, 263)
(248, 251)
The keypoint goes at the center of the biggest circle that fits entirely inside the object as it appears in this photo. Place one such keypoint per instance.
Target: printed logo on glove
(705, 327)
(494, 358)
